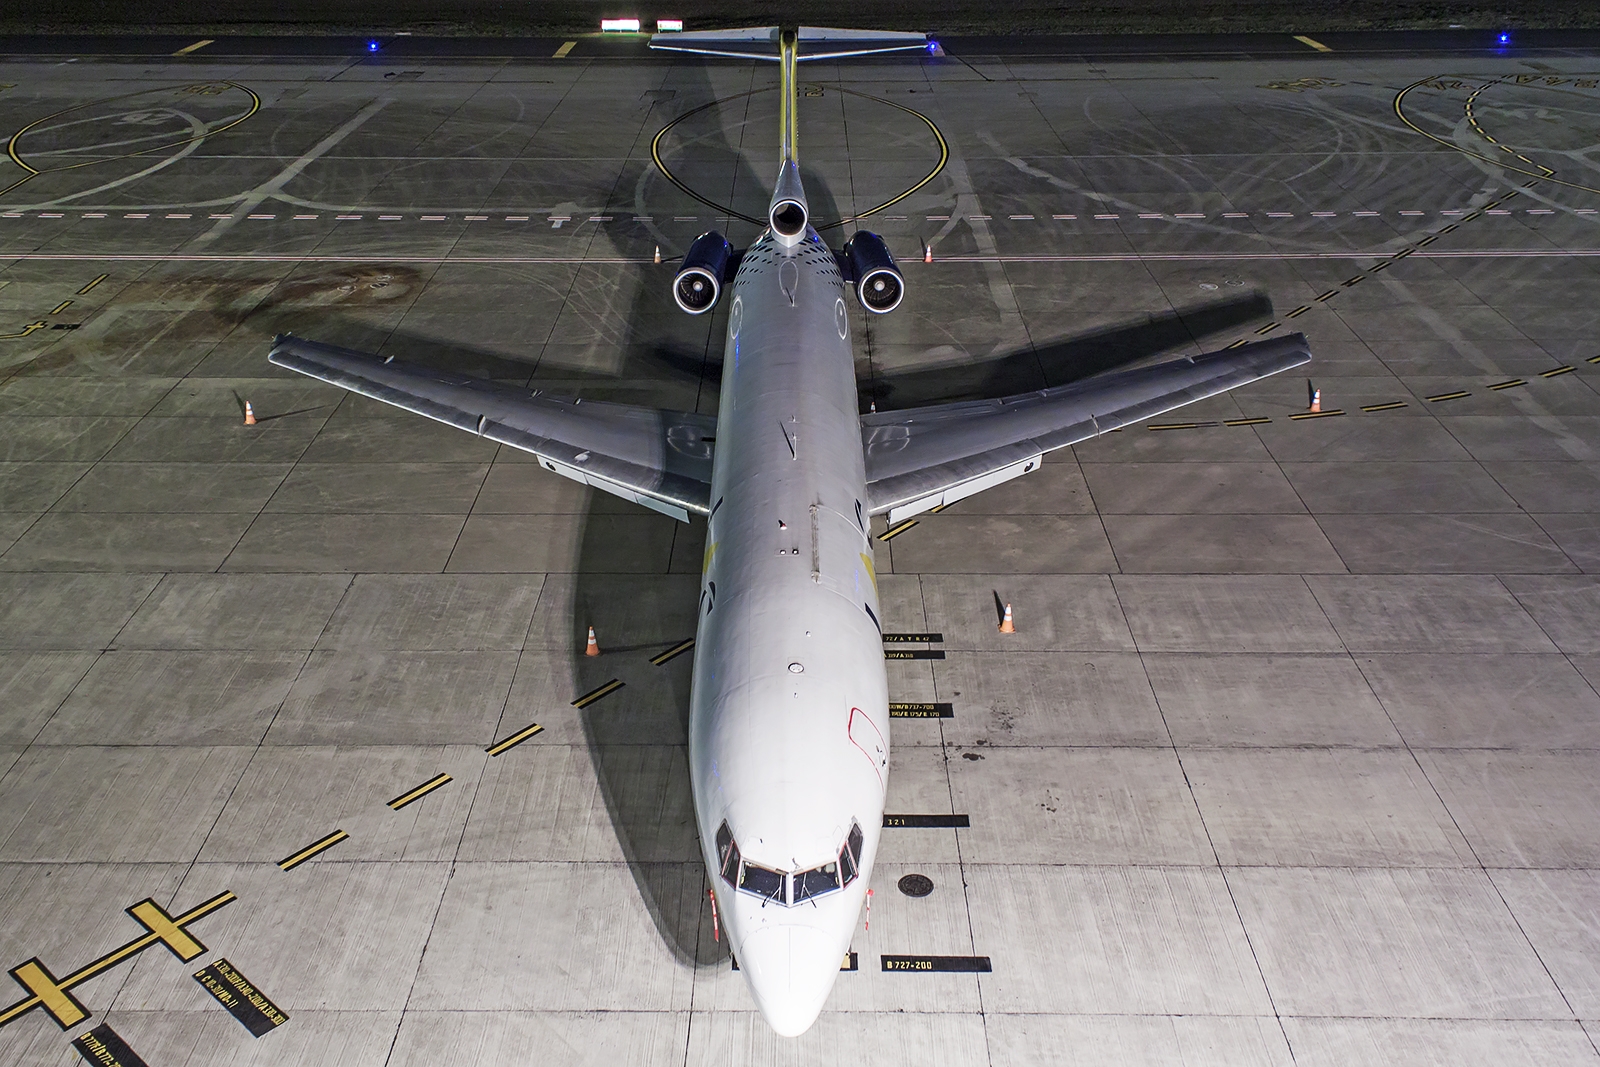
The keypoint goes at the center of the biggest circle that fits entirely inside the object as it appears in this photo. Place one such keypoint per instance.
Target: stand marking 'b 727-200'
(789, 723)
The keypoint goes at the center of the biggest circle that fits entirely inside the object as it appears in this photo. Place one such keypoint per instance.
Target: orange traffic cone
(249, 414)
(927, 253)
(594, 646)
(658, 253)
(1006, 625)
(1313, 396)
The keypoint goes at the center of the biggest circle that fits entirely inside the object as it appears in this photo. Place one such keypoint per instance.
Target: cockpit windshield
(764, 883)
(780, 887)
(815, 882)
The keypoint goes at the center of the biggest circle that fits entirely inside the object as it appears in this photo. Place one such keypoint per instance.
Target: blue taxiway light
(1505, 38)
(372, 46)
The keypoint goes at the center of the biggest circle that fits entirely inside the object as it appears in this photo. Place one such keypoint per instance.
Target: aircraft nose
(791, 970)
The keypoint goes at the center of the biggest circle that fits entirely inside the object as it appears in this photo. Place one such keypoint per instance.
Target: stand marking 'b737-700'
(789, 718)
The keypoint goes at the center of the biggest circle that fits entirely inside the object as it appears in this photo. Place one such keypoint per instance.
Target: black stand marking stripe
(933, 964)
(242, 999)
(913, 653)
(956, 822)
(924, 638)
(514, 740)
(290, 862)
(103, 1047)
(660, 659)
(928, 710)
(595, 694)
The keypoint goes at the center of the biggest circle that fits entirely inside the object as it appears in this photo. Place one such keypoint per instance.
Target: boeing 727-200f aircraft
(789, 723)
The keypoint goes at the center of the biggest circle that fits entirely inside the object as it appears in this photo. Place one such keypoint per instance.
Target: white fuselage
(789, 728)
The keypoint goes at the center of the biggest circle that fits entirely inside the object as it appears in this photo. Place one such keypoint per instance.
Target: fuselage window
(727, 855)
(762, 882)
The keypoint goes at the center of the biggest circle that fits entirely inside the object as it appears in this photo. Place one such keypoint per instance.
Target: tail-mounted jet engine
(699, 280)
(879, 285)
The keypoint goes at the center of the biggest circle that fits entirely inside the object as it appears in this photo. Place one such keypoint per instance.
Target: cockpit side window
(850, 855)
(727, 855)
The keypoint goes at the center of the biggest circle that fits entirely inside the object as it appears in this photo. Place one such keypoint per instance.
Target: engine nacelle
(699, 281)
(879, 284)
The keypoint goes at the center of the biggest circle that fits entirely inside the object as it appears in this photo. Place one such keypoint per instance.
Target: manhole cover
(916, 885)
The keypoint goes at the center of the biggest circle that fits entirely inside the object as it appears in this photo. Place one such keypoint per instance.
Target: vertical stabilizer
(788, 213)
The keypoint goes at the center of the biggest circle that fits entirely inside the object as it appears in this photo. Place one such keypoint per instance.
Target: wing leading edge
(920, 458)
(661, 459)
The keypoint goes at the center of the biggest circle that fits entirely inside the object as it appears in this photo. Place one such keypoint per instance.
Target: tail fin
(789, 46)
(788, 214)
(811, 42)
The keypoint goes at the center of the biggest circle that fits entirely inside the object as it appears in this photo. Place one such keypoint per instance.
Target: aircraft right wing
(920, 458)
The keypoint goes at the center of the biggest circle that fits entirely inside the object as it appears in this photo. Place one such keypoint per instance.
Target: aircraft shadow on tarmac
(637, 737)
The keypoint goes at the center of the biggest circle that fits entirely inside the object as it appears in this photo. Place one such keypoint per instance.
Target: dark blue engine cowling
(699, 280)
(879, 285)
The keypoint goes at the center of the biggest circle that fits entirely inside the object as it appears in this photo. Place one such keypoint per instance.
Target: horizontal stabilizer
(661, 459)
(813, 42)
(920, 458)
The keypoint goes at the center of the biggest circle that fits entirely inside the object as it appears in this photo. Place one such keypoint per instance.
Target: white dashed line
(347, 218)
(1151, 215)
(1364, 214)
(516, 218)
(1500, 211)
(1189, 215)
(1324, 214)
(219, 216)
(1063, 216)
(1280, 214)
(390, 218)
(937, 218)
(54, 215)
(1412, 212)
(1023, 218)
(477, 218)
(599, 218)
(176, 216)
(297, 217)
(94, 215)
(1584, 211)
(261, 216)
(1453, 212)
(434, 218)
(1540, 211)
(1236, 214)
(132, 215)
(1108, 216)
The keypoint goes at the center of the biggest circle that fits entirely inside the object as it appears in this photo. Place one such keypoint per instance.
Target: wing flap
(921, 458)
(661, 459)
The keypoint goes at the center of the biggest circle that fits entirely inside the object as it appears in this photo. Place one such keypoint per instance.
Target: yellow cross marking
(48, 991)
(159, 923)
(52, 994)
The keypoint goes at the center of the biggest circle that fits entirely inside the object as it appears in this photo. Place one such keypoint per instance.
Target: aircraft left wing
(921, 458)
(661, 459)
